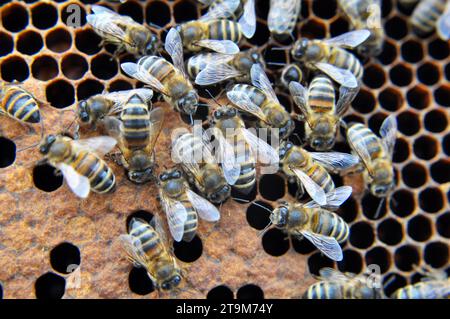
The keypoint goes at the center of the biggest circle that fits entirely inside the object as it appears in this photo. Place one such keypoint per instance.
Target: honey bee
(309, 170)
(215, 33)
(435, 285)
(171, 80)
(320, 111)
(237, 149)
(375, 154)
(80, 162)
(291, 72)
(211, 68)
(430, 15)
(136, 133)
(283, 15)
(321, 227)
(19, 104)
(95, 109)
(181, 206)
(261, 101)
(147, 246)
(204, 172)
(223, 8)
(122, 31)
(329, 56)
(366, 14)
(336, 285)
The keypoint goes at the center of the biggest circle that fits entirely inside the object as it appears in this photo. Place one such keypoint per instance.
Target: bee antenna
(276, 63)
(287, 47)
(377, 213)
(262, 232)
(41, 138)
(157, 27)
(212, 97)
(192, 119)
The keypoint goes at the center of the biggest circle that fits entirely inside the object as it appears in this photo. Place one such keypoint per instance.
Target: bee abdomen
(346, 60)
(321, 94)
(410, 292)
(225, 30)
(158, 67)
(136, 124)
(197, 63)
(358, 132)
(324, 290)
(21, 105)
(330, 224)
(148, 239)
(190, 226)
(255, 95)
(101, 177)
(319, 175)
(426, 14)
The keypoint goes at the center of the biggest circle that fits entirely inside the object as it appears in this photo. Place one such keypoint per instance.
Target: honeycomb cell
(221, 292)
(8, 154)
(388, 54)
(44, 16)
(318, 261)
(349, 210)
(439, 49)
(401, 75)
(402, 203)
(443, 225)
(50, 286)
(418, 97)
(352, 262)
(275, 242)
(392, 282)
(103, 67)
(271, 187)
(324, 9)
(119, 85)
(379, 256)
(14, 68)
(414, 175)
(436, 254)
(243, 198)
(188, 251)
(408, 123)
(250, 291)
(14, 17)
(313, 29)
(89, 88)
(139, 281)
(406, 257)
(435, 121)
(44, 68)
(74, 66)
(302, 246)
(65, 258)
(58, 40)
(60, 94)
(428, 73)
(261, 36)
(390, 99)
(401, 151)
(87, 41)
(390, 231)
(425, 147)
(275, 59)
(364, 102)
(7, 44)
(386, 8)
(29, 42)
(158, 13)
(412, 51)
(373, 207)
(396, 28)
(258, 214)
(419, 228)
(440, 171)
(133, 10)
(184, 11)
(374, 76)
(46, 179)
(431, 200)
(361, 235)
(339, 26)
(446, 144)
(442, 95)
(73, 15)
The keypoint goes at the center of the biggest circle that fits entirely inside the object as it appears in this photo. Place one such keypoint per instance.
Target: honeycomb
(45, 230)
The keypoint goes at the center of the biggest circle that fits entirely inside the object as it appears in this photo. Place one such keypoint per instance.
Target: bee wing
(121, 97)
(176, 216)
(174, 46)
(99, 144)
(281, 13)
(334, 198)
(261, 81)
(78, 183)
(361, 148)
(204, 208)
(350, 39)
(443, 24)
(222, 10)
(341, 76)
(244, 103)
(231, 168)
(215, 73)
(156, 124)
(248, 19)
(133, 249)
(105, 20)
(388, 132)
(265, 153)
(157, 224)
(335, 160)
(221, 46)
(327, 245)
(346, 96)
(102, 10)
(314, 190)
(139, 73)
(300, 95)
(330, 274)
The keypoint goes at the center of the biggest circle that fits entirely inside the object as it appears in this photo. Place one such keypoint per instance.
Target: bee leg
(115, 157)
(57, 172)
(300, 190)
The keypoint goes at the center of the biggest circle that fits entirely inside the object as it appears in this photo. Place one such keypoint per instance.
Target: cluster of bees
(194, 188)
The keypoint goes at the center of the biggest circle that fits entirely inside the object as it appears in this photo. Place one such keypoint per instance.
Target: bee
(365, 14)
(435, 285)
(336, 285)
(137, 132)
(147, 246)
(430, 15)
(291, 72)
(283, 15)
(223, 8)
(211, 68)
(237, 149)
(203, 172)
(181, 206)
(19, 104)
(122, 31)
(215, 33)
(261, 101)
(95, 109)
(320, 111)
(171, 80)
(309, 170)
(375, 154)
(321, 227)
(80, 162)
(329, 56)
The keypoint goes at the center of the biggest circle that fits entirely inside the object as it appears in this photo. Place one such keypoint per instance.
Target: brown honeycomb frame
(41, 232)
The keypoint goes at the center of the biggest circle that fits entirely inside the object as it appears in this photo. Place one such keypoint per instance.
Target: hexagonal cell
(439, 49)
(401, 151)
(425, 147)
(339, 26)
(188, 251)
(158, 13)
(374, 76)
(8, 155)
(318, 261)
(44, 15)
(89, 88)
(408, 123)
(313, 29)
(390, 99)
(402, 203)
(46, 179)
(258, 214)
(442, 95)
(396, 28)
(133, 10)
(418, 97)
(275, 242)
(419, 228)
(271, 187)
(119, 85)
(352, 262)
(261, 36)
(401, 75)
(74, 66)
(375, 122)
(7, 43)
(406, 257)
(379, 256)
(390, 231)
(139, 281)
(44, 68)
(436, 254)
(220, 292)
(395, 281)
(14, 17)
(428, 73)
(14, 68)
(440, 171)
(70, 16)
(324, 9)
(361, 235)
(373, 207)
(443, 225)
(60, 94)
(103, 67)
(412, 51)
(58, 40)
(349, 210)
(435, 121)
(29, 42)
(50, 286)
(414, 175)
(65, 258)
(431, 200)
(388, 53)
(250, 291)
(302, 246)
(185, 11)
(87, 41)
(386, 8)
(364, 102)
(275, 59)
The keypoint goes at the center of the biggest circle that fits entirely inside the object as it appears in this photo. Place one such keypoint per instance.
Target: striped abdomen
(101, 177)
(224, 30)
(20, 105)
(325, 290)
(321, 96)
(319, 175)
(358, 132)
(244, 157)
(281, 19)
(329, 224)
(345, 60)
(424, 290)
(426, 14)
(197, 63)
(136, 123)
(145, 236)
(255, 94)
(158, 67)
(190, 226)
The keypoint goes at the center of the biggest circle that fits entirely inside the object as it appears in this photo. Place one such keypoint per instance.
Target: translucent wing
(174, 46)
(225, 153)
(156, 125)
(388, 132)
(103, 24)
(248, 19)
(99, 10)
(244, 103)
(176, 216)
(261, 81)
(327, 245)
(346, 96)
(443, 24)
(264, 152)
(211, 58)
(139, 73)
(334, 198)
(221, 10)
(157, 224)
(335, 160)
(281, 14)
(350, 39)
(79, 184)
(134, 250)
(341, 76)
(100, 144)
(221, 46)
(300, 95)
(361, 148)
(215, 73)
(121, 97)
(314, 190)
(330, 274)
(204, 208)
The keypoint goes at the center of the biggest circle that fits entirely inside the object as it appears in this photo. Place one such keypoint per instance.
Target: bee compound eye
(165, 286)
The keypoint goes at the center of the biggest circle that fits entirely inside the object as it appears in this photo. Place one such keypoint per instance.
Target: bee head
(279, 216)
(322, 136)
(284, 148)
(140, 168)
(173, 282)
(168, 175)
(383, 180)
(221, 195)
(188, 103)
(152, 45)
(286, 129)
(140, 177)
(224, 113)
(292, 73)
(380, 190)
(44, 148)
